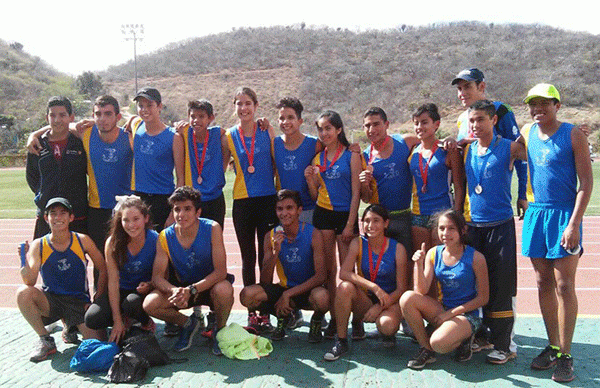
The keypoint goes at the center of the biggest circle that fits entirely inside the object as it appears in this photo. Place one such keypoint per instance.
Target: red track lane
(588, 287)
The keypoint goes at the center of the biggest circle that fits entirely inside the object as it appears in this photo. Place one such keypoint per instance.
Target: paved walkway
(295, 363)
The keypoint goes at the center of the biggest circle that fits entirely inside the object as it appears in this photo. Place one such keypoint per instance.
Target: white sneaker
(499, 357)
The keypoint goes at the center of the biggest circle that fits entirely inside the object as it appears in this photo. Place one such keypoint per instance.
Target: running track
(587, 281)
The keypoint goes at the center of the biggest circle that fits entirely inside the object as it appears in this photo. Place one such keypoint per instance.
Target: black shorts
(274, 292)
(66, 307)
(202, 298)
(214, 210)
(324, 219)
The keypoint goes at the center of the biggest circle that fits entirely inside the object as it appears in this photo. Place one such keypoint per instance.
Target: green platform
(295, 363)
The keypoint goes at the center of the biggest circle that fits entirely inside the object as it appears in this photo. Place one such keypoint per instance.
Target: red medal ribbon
(374, 270)
(371, 157)
(425, 169)
(323, 167)
(250, 154)
(200, 163)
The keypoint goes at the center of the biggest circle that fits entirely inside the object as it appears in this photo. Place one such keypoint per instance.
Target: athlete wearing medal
(433, 169)
(489, 214)
(206, 158)
(254, 196)
(373, 291)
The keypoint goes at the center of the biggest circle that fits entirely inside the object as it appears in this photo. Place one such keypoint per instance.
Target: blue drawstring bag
(93, 355)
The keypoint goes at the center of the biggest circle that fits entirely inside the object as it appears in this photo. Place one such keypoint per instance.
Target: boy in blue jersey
(470, 85)
(60, 257)
(386, 179)
(158, 151)
(558, 158)
(190, 269)
(489, 214)
(295, 248)
(206, 158)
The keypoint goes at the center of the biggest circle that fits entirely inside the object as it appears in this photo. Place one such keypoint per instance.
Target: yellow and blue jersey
(213, 175)
(295, 263)
(386, 273)
(335, 189)
(437, 195)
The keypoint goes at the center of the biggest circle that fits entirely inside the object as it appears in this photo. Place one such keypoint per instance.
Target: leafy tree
(90, 85)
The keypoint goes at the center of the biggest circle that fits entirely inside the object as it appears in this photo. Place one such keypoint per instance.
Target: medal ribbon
(425, 169)
(374, 270)
(383, 144)
(250, 154)
(479, 174)
(200, 163)
(323, 167)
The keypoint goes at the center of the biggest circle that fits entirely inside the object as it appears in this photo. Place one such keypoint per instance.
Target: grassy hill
(349, 71)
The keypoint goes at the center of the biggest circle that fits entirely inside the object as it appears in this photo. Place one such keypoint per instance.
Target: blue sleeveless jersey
(213, 175)
(438, 196)
(458, 283)
(386, 276)
(153, 161)
(138, 268)
(552, 174)
(64, 273)
(193, 264)
(392, 177)
(494, 202)
(291, 165)
(295, 263)
(261, 182)
(335, 191)
(108, 168)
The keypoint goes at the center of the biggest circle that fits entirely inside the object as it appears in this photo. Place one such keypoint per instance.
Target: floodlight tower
(133, 32)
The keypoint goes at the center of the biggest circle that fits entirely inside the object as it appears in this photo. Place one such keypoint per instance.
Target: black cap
(149, 93)
(59, 201)
(472, 74)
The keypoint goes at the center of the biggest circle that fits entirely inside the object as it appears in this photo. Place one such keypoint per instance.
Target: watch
(193, 290)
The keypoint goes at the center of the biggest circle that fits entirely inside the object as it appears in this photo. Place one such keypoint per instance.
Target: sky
(75, 36)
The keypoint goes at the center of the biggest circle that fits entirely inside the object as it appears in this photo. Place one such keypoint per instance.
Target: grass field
(16, 200)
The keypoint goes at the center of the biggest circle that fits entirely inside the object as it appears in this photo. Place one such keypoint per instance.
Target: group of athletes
(145, 203)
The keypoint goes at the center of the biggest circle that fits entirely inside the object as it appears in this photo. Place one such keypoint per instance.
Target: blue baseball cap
(472, 74)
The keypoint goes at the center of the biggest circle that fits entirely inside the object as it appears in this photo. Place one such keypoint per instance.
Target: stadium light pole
(133, 32)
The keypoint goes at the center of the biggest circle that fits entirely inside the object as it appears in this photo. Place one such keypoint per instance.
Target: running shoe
(265, 323)
(339, 347)
(171, 330)
(500, 357)
(188, 331)
(279, 332)
(358, 331)
(216, 349)
(69, 335)
(546, 359)
(315, 335)
(294, 320)
(464, 352)
(481, 343)
(564, 371)
(45, 347)
(149, 326)
(424, 357)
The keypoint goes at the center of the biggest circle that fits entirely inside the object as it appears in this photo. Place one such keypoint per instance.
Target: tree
(90, 85)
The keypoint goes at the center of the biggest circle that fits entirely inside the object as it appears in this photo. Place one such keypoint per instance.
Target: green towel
(236, 342)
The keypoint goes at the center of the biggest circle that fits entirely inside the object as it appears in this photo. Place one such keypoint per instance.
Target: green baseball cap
(542, 90)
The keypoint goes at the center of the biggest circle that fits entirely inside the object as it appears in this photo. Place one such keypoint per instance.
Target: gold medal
(251, 169)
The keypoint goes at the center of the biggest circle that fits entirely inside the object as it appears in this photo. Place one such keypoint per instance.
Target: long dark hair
(334, 119)
(457, 219)
(118, 236)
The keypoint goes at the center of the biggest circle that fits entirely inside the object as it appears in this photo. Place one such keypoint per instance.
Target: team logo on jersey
(110, 155)
(290, 163)
(333, 173)
(63, 265)
(192, 261)
(292, 255)
(133, 267)
(449, 280)
(146, 147)
(542, 158)
(391, 171)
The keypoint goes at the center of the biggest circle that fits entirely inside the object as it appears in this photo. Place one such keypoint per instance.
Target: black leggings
(253, 218)
(159, 208)
(99, 315)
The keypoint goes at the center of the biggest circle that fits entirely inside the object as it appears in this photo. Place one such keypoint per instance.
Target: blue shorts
(421, 220)
(543, 227)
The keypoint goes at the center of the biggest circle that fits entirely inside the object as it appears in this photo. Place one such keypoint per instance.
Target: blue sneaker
(216, 350)
(187, 334)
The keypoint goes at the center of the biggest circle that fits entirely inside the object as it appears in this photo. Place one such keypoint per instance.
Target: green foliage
(90, 85)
